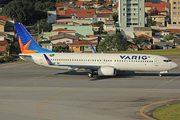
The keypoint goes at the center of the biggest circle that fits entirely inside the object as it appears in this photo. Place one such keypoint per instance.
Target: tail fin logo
(24, 49)
(48, 60)
(93, 50)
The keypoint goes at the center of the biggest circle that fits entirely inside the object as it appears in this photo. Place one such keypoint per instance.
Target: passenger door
(156, 61)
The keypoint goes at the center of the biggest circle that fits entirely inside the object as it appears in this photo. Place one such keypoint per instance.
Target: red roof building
(159, 8)
(105, 11)
(60, 44)
(103, 14)
(81, 46)
(80, 3)
(77, 12)
(62, 30)
(3, 47)
(142, 35)
(65, 22)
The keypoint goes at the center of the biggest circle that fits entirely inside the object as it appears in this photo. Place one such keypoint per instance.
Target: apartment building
(131, 13)
(175, 11)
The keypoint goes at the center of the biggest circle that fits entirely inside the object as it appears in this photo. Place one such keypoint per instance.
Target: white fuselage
(122, 62)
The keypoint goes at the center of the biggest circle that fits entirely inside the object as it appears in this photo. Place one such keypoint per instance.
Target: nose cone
(174, 65)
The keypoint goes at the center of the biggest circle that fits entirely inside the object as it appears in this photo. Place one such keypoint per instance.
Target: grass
(162, 52)
(168, 113)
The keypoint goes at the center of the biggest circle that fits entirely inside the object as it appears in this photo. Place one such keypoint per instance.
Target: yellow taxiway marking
(142, 109)
(84, 90)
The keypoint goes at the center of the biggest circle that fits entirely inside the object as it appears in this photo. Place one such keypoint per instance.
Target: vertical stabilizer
(26, 41)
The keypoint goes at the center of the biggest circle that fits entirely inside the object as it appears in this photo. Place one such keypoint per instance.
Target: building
(160, 19)
(51, 15)
(174, 11)
(81, 46)
(131, 13)
(156, 1)
(3, 47)
(143, 30)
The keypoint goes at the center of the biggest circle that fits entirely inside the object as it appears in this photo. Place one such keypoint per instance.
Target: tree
(43, 25)
(117, 30)
(151, 22)
(5, 1)
(100, 25)
(116, 42)
(19, 11)
(101, 2)
(141, 41)
(115, 17)
(57, 49)
(168, 37)
(46, 6)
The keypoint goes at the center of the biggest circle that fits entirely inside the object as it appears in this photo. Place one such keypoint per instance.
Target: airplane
(101, 64)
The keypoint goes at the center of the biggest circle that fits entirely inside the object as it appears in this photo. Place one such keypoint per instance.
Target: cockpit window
(167, 60)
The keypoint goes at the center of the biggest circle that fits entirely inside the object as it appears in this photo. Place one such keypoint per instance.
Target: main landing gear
(91, 74)
(160, 75)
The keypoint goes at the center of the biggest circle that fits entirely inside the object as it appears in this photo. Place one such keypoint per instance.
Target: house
(102, 17)
(132, 47)
(145, 46)
(95, 28)
(95, 4)
(163, 45)
(160, 19)
(6, 25)
(162, 33)
(160, 8)
(109, 25)
(2, 37)
(64, 38)
(61, 30)
(51, 16)
(81, 30)
(105, 11)
(81, 46)
(2, 25)
(85, 14)
(176, 43)
(80, 4)
(64, 46)
(143, 30)
(59, 7)
(115, 7)
(48, 46)
(3, 47)
(111, 32)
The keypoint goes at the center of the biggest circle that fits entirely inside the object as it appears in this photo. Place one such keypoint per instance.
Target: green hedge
(6, 59)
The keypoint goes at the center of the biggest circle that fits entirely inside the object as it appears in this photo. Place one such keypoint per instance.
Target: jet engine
(106, 71)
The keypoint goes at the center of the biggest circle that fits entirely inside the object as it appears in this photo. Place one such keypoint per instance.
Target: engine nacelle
(107, 71)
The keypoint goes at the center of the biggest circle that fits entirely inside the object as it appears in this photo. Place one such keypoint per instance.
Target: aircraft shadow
(119, 75)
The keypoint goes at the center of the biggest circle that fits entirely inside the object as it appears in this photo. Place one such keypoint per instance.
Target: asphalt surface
(33, 92)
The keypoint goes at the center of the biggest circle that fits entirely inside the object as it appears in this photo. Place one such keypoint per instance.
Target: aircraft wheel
(160, 75)
(90, 75)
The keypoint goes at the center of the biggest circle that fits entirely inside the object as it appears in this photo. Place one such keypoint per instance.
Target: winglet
(48, 60)
(93, 50)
